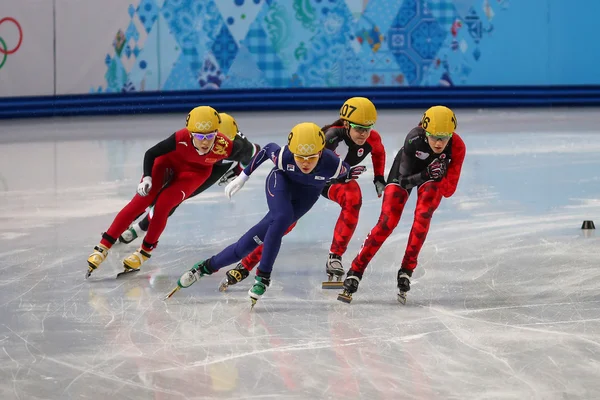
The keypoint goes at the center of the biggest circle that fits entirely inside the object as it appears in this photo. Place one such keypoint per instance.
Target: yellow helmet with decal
(203, 119)
(439, 121)
(228, 126)
(360, 111)
(306, 139)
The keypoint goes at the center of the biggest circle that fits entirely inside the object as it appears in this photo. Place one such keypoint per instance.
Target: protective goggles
(205, 136)
(360, 128)
(300, 158)
(443, 137)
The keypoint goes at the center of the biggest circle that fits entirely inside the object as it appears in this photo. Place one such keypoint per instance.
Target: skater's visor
(300, 158)
(361, 128)
(205, 136)
(440, 136)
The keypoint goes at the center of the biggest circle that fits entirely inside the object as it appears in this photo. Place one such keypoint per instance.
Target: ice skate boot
(259, 288)
(134, 261)
(131, 234)
(403, 284)
(190, 277)
(334, 268)
(350, 286)
(233, 276)
(96, 258)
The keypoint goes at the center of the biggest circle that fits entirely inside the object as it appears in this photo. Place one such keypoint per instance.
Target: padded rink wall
(75, 57)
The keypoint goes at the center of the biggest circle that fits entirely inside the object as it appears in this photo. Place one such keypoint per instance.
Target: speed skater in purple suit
(352, 138)
(431, 161)
(302, 169)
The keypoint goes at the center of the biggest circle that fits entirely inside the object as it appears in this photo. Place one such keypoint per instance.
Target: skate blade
(345, 298)
(223, 285)
(253, 300)
(171, 293)
(127, 271)
(91, 268)
(332, 285)
(402, 297)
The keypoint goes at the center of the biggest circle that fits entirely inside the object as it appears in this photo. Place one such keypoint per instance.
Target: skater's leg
(349, 197)
(135, 207)
(248, 242)
(428, 200)
(394, 200)
(161, 177)
(252, 259)
(132, 210)
(177, 191)
(145, 222)
(243, 268)
(280, 216)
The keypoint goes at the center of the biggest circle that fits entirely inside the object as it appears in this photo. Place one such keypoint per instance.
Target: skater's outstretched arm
(243, 150)
(377, 153)
(458, 155)
(271, 150)
(166, 146)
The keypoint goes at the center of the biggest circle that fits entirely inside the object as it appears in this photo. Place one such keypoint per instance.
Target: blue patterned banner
(240, 44)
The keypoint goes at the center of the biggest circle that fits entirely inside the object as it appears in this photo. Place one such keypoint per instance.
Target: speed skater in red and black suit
(431, 161)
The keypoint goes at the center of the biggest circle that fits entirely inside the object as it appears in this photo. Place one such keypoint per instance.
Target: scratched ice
(504, 305)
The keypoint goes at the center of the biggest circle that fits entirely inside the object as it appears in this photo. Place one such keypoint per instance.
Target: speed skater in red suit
(172, 171)
(430, 161)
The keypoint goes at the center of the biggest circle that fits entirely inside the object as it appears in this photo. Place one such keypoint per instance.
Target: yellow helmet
(360, 111)
(439, 121)
(306, 139)
(228, 126)
(203, 119)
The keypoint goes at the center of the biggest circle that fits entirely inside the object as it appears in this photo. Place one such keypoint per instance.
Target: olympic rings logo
(4, 50)
(203, 126)
(305, 149)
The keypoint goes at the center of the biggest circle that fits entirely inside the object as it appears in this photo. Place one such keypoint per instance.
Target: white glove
(236, 184)
(145, 186)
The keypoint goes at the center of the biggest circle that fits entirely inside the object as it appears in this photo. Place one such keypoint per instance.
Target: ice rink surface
(505, 302)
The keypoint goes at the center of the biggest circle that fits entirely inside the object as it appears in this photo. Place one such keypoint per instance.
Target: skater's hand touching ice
(236, 184)
(145, 186)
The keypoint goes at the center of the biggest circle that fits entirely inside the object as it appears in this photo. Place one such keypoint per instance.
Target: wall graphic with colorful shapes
(232, 44)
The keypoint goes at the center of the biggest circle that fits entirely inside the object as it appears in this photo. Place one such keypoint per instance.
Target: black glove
(380, 183)
(353, 173)
(230, 175)
(436, 170)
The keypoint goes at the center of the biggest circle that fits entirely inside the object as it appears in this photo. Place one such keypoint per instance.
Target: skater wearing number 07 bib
(430, 161)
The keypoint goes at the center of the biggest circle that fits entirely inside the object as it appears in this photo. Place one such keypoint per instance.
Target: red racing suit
(177, 170)
(408, 171)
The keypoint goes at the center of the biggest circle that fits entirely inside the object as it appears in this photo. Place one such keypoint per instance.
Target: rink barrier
(297, 99)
